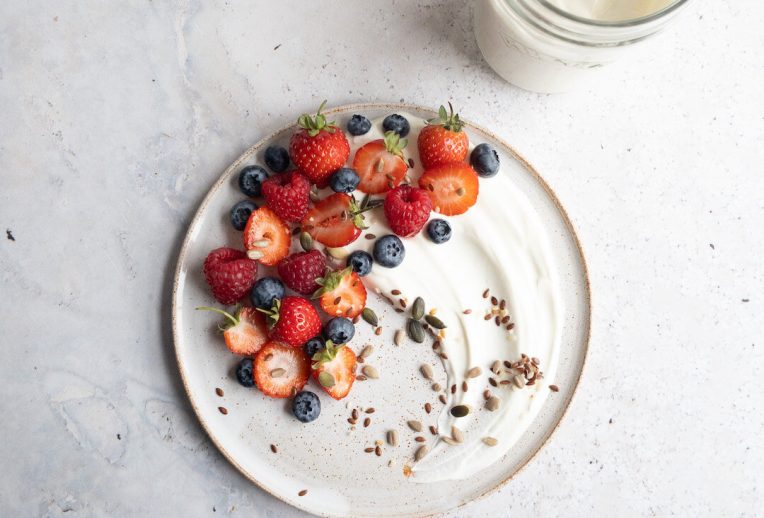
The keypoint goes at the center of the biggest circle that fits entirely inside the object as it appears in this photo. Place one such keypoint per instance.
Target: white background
(116, 117)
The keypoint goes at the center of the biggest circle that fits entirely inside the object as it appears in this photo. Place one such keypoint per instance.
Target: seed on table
(492, 403)
(370, 371)
(417, 309)
(460, 410)
(419, 438)
(442, 399)
(398, 338)
(366, 422)
(554, 388)
(490, 441)
(370, 317)
(457, 434)
(274, 449)
(474, 372)
(392, 438)
(354, 413)
(414, 425)
(427, 407)
(421, 452)
(426, 371)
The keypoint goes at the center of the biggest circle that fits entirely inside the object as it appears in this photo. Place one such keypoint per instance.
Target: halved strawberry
(380, 164)
(280, 371)
(293, 320)
(318, 148)
(442, 141)
(337, 220)
(453, 188)
(334, 368)
(245, 333)
(342, 293)
(266, 237)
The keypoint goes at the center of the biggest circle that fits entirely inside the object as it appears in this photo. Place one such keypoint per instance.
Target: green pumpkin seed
(326, 379)
(434, 321)
(417, 310)
(306, 242)
(415, 330)
(460, 410)
(369, 316)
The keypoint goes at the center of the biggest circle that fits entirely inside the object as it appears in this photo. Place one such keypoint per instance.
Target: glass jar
(538, 46)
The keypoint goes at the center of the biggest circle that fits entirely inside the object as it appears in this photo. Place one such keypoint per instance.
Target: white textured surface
(115, 119)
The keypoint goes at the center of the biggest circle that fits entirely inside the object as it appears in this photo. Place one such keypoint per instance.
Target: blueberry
(344, 180)
(360, 262)
(358, 125)
(389, 251)
(277, 158)
(306, 406)
(396, 123)
(244, 373)
(485, 160)
(313, 345)
(265, 291)
(339, 330)
(240, 214)
(439, 230)
(250, 180)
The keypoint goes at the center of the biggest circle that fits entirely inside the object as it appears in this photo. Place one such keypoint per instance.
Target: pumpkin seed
(370, 317)
(421, 452)
(306, 242)
(426, 371)
(474, 372)
(457, 434)
(434, 321)
(366, 351)
(415, 425)
(371, 372)
(415, 330)
(460, 410)
(492, 403)
(326, 379)
(490, 441)
(417, 310)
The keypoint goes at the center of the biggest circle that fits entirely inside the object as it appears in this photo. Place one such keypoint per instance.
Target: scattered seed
(392, 437)
(433, 430)
(427, 407)
(494, 301)
(493, 403)
(507, 364)
(414, 425)
(415, 330)
(378, 451)
(417, 309)
(492, 382)
(497, 320)
(421, 452)
(371, 372)
(535, 361)
(370, 410)
(360, 377)
(396, 292)
(467, 311)
(442, 399)
(370, 317)
(419, 438)
(219, 392)
(274, 449)
(370, 236)
(487, 317)
(368, 450)
(449, 441)
(411, 163)
(356, 319)
(505, 320)
(465, 387)
(303, 492)
(554, 388)
(453, 388)
(426, 371)
(510, 326)
(434, 321)
(223, 410)
(398, 337)
(436, 387)
(366, 422)
(399, 310)
(490, 441)
(436, 345)
(277, 373)
(366, 352)
(355, 413)
(485, 293)
(403, 303)
(306, 242)
(457, 434)
(444, 356)
(474, 372)
(518, 381)
(460, 410)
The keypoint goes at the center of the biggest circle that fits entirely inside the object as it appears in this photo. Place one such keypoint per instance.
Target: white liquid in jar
(611, 10)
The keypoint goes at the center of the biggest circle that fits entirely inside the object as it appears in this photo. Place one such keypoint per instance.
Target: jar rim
(633, 22)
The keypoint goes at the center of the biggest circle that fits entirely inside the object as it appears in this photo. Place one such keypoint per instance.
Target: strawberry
(280, 371)
(334, 368)
(230, 274)
(245, 333)
(300, 271)
(442, 141)
(293, 320)
(380, 164)
(407, 209)
(337, 220)
(318, 148)
(453, 188)
(266, 237)
(342, 293)
(287, 195)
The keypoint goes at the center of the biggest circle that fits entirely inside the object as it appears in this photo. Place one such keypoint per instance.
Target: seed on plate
(494, 301)
(492, 403)
(415, 330)
(426, 371)
(453, 388)
(414, 425)
(518, 381)
(223, 410)
(434, 321)
(417, 309)
(306, 242)
(510, 326)
(378, 451)
(370, 236)
(487, 394)
(370, 372)
(366, 352)
(436, 387)
(366, 422)
(419, 438)
(392, 437)
(485, 293)
(369, 449)
(219, 392)
(433, 430)
(490, 441)
(360, 377)
(535, 361)
(442, 399)
(398, 337)
(457, 434)
(474, 372)
(497, 320)
(351, 420)
(378, 331)
(427, 407)
(450, 441)
(395, 292)
(467, 311)
(554, 388)
(421, 452)
(505, 320)
(354, 413)
(488, 317)
(465, 387)
(492, 382)
(403, 303)
(303, 492)
(277, 373)
(460, 410)
(370, 410)
(274, 449)
(370, 317)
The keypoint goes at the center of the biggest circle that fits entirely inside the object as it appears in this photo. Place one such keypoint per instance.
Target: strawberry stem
(226, 314)
(315, 124)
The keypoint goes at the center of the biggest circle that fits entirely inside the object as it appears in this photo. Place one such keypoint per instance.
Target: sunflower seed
(460, 410)
(449, 441)
(398, 337)
(417, 310)
(421, 452)
(496, 367)
(426, 371)
(474, 372)
(490, 441)
(457, 434)
(255, 254)
(492, 403)
(392, 438)
(415, 330)
(414, 425)
(370, 317)
(434, 321)
(326, 379)
(277, 373)
(371, 372)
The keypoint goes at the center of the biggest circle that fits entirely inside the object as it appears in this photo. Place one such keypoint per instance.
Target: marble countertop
(117, 117)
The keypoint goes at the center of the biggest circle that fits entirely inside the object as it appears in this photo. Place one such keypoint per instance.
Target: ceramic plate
(327, 457)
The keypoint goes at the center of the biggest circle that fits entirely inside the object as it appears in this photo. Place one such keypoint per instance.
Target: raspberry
(230, 274)
(287, 195)
(407, 209)
(300, 271)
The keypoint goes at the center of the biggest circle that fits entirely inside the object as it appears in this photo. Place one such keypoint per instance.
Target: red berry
(442, 141)
(266, 237)
(288, 195)
(293, 320)
(407, 209)
(334, 368)
(453, 188)
(280, 371)
(230, 274)
(342, 294)
(334, 221)
(245, 333)
(318, 148)
(380, 164)
(300, 271)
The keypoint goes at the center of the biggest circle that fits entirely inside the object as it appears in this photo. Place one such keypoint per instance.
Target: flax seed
(274, 449)
(223, 410)
(366, 422)
(467, 311)
(427, 407)
(419, 438)
(442, 399)
(485, 293)
(219, 392)
(554, 388)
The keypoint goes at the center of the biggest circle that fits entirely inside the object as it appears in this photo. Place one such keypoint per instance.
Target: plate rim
(360, 107)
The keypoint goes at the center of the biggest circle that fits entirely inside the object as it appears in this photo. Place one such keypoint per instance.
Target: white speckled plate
(326, 457)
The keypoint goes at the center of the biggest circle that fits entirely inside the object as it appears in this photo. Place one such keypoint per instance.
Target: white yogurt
(611, 10)
(498, 244)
